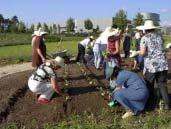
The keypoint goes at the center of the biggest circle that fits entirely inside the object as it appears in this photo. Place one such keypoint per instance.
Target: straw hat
(58, 61)
(113, 32)
(148, 25)
(168, 45)
(39, 32)
(91, 37)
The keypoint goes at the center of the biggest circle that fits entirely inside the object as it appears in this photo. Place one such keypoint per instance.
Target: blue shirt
(128, 79)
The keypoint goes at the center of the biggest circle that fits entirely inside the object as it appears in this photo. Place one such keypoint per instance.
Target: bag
(109, 66)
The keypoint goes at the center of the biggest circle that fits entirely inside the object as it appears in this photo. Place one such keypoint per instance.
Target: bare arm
(55, 86)
(40, 54)
(142, 51)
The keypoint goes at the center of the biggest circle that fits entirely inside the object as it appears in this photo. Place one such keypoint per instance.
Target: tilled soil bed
(18, 105)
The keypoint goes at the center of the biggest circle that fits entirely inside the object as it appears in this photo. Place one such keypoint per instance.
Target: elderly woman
(38, 48)
(43, 81)
(155, 64)
(130, 91)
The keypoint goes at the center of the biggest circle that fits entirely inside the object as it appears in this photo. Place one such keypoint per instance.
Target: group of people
(128, 88)
(43, 81)
(131, 91)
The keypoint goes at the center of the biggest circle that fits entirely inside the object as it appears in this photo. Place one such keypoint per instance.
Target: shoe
(128, 114)
(43, 101)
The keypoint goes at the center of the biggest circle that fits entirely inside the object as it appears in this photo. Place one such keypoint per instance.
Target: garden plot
(26, 111)
(82, 85)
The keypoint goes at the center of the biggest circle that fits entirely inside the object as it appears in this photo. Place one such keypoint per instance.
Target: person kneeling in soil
(43, 82)
(130, 91)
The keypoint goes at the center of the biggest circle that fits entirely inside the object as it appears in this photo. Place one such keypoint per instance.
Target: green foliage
(14, 19)
(88, 24)
(13, 28)
(1, 18)
(39, 25)
(21, 27)
(120, 19)
(138, 20)
(45, 27)
(54, 29)
(31, 29)
(70, 25)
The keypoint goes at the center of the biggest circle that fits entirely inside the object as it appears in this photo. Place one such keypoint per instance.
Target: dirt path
(10, 69)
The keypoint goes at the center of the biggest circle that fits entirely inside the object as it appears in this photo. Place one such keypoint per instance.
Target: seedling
(67, 98)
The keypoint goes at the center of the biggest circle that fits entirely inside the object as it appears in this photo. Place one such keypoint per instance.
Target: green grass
(22, 53)
(107, 119)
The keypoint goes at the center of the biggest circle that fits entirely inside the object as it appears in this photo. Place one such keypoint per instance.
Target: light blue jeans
(97, 59)
(131, 99)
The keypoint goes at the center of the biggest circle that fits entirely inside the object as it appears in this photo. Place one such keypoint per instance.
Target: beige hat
(39, 32)
(168, 45)
(91, 37)
(148, 25)
(58, 61)
(36, 33)
(113, 32)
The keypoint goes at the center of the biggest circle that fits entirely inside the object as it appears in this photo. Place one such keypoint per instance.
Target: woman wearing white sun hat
(43, 81)
(38, 48)
(155, 62)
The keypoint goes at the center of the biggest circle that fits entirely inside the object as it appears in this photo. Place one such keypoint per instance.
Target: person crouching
(131, 91)
(43, 82)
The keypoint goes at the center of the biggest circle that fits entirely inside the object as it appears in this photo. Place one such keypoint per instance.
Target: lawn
(22, 53)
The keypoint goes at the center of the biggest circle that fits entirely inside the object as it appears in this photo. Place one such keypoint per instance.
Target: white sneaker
(128, 114)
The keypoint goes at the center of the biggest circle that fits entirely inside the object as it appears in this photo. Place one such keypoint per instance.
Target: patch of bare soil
(19, 105)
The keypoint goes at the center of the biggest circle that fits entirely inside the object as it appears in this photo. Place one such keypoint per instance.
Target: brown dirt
(19, 105)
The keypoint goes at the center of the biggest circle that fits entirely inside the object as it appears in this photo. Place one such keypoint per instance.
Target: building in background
(152, 16)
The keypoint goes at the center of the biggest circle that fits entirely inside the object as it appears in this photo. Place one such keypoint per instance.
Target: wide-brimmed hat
(168, 45)
(39, 32)
(58, 61)
(91, 37)
(148, 25)
(113, 32)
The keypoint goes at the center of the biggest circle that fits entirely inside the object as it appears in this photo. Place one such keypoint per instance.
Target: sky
(58, 11)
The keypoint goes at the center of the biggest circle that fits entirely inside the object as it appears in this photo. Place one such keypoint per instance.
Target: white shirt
(85, 42)
(96, 46)
(137, 35)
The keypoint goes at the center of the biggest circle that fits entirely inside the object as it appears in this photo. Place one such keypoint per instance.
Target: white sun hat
(113, 32)
(36, 33)
(39, 32)
(148, 25)
(58, 61)
(168, 45)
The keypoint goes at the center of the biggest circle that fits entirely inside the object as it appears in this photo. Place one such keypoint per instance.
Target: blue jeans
(132, 99)
(97, 59)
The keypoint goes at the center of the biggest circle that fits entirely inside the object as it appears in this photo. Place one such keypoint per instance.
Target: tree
(138, 20)
(51, 30)
(1, 29)
(45, 27)
(14, 19)
(31, 29)
(70, 25)
(120, 19)
(1, 19)
(13, 28)
(21, 27)
(88, 24)
(39, 26)
(54, 29)
(1, 23)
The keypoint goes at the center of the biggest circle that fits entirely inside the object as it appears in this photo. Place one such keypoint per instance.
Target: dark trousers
(161, 91)
(126, 52)
(81, 54)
